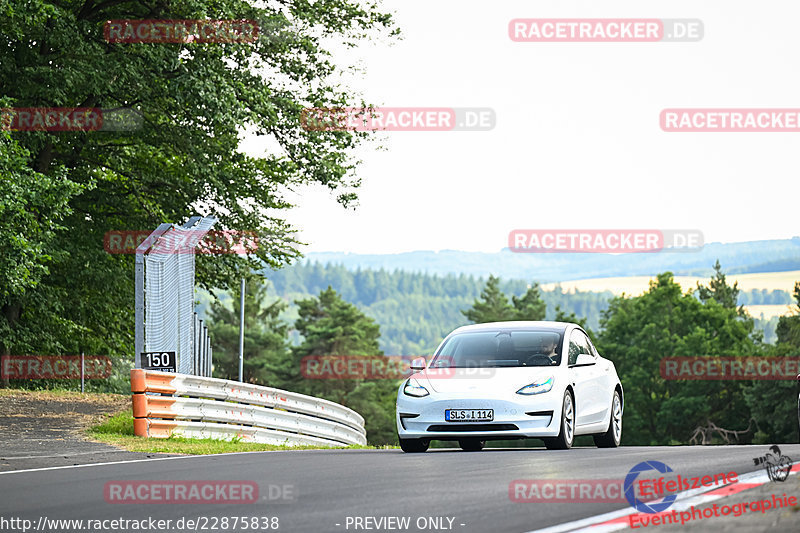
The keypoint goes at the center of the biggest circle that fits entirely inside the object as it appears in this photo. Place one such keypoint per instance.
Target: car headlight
(537, 387)
(412, 388)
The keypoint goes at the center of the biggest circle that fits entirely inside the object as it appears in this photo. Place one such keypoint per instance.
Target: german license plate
(469, 415)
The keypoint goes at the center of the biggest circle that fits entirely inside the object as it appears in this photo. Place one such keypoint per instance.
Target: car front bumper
(515, 416)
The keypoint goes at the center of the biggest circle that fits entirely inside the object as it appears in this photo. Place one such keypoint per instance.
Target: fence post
(241, 333)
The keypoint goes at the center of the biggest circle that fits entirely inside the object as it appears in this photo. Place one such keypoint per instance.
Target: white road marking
(145, 460)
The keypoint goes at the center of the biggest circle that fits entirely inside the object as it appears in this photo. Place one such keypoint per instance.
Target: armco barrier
(199, 407)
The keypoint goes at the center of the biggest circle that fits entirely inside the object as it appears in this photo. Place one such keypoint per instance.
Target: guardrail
(200, 407)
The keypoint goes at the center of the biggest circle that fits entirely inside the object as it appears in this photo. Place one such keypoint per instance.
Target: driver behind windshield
(548, 348)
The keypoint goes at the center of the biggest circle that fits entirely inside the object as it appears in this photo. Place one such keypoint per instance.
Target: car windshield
(494, 348)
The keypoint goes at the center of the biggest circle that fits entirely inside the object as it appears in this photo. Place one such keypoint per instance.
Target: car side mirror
(418, 364)
(584, 359)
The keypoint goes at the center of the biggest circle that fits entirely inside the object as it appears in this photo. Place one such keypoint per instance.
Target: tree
(774, 403)
(788, 329)
(530, 306)
(32, 209)
(638, 332)
(194, 100)
(719, 290)
(331, 326)
(493, 305)
(266, 357)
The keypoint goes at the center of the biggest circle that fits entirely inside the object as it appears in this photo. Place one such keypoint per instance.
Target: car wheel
(567, 433)
(471, 445)
(414, 445)
(612, 437)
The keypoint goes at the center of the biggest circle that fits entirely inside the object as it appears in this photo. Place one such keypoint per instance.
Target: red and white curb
(616, 520)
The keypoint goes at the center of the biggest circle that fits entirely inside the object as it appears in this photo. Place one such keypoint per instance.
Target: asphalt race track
(325, 487)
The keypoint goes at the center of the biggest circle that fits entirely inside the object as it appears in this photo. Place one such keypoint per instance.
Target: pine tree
(530, 306)
(493, 305)
(719, 290)
(331, 326)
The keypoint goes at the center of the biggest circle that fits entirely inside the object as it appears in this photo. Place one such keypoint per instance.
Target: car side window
(593, 349)
(574, 347)
(578, 344)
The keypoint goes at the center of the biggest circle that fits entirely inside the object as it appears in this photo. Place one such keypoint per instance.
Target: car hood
(482, 379)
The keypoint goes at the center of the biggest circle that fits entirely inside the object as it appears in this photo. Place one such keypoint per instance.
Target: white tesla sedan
(511, 380)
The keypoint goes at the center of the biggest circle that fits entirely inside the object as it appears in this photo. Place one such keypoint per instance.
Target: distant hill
(736, 258)
(779, 282)
(416, 310)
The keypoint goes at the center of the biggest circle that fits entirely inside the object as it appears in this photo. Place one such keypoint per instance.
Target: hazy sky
(577, 142)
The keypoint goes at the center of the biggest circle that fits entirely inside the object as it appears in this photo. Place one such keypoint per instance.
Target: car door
(603, 384)
(593, 406)
(581, 377)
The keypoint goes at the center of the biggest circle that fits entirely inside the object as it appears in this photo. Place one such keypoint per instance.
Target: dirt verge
(41, 429)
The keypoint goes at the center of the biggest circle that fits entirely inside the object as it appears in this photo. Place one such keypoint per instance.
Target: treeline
(368, 286)
(416, 310)
(764, 297)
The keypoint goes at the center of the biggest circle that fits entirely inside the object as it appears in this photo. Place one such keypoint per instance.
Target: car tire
(471, 445)
(566, 435)
(414, 445)
(612, 437)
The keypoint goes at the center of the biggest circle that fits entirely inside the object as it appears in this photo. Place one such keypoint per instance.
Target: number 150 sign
(161, 361)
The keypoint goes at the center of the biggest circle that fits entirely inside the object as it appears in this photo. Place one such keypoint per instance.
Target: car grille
(456, 428)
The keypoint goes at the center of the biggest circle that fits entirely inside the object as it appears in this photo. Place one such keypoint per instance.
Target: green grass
(117, 430)
(119, 424)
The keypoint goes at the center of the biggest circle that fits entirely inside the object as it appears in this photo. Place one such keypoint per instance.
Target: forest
(415, 310)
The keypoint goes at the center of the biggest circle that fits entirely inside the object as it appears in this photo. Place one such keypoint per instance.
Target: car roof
(544, 325)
